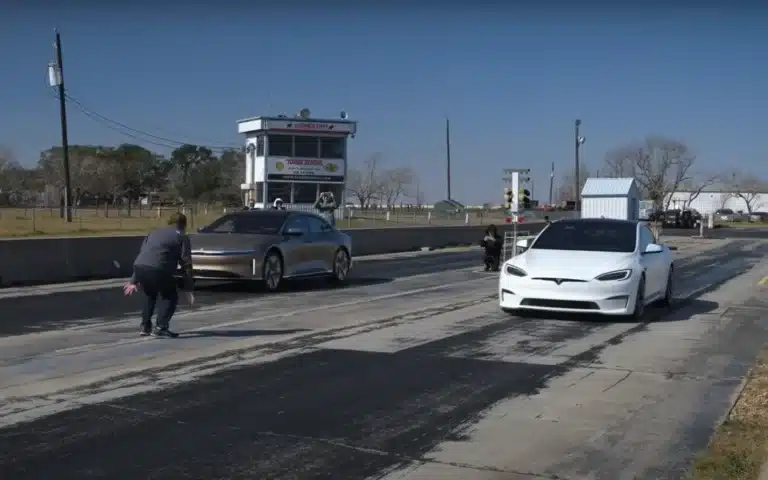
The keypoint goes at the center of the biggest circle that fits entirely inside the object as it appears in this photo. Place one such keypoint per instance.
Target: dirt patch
(739, 447)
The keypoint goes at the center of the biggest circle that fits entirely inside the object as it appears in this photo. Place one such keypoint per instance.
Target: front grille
(560, 280)
(202, 273)
(572, 304)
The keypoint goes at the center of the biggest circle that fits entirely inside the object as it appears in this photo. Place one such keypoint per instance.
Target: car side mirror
(293, 232)
(522, 243)
(653, 248)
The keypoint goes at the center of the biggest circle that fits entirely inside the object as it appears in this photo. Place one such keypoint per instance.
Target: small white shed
(617, 198)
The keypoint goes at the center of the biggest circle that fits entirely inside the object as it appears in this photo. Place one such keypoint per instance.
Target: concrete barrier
(70, 259)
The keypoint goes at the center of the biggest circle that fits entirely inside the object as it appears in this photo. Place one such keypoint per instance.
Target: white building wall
(708, 202)
(607, 207)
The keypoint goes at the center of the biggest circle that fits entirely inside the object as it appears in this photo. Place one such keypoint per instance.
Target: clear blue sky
(512, 81)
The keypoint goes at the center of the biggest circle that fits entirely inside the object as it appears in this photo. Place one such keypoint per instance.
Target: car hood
(229, 243)
(571, 264)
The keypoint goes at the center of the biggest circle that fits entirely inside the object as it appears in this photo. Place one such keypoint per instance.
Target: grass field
(744, 224)
(21, 222)
(739, 447)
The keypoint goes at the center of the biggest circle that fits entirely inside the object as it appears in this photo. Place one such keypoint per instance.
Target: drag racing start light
(508, 197)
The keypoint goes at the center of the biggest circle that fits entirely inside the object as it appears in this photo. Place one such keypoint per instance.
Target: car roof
(605, 221)
(273, 213)
(269, 212)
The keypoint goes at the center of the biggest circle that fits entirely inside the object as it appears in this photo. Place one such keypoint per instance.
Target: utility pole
(579, 141)
(56, 78)
(551, 182)
(448, 155)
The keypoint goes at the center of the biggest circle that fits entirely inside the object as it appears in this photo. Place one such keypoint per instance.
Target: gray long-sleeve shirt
(326, 206)
(165, 249)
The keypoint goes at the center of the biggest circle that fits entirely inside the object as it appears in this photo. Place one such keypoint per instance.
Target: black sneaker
(164, 333)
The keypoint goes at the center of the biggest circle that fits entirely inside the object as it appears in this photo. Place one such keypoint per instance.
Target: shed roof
(608, 187)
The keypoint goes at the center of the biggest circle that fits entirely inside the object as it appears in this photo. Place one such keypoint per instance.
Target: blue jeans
(160, 292)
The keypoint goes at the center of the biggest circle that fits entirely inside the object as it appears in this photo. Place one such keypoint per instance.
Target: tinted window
(280, 146)
(317, 225)
(646, 238)
(297, 222)
(588, 236)
(332, 147)
(249, 223)
(306, 147)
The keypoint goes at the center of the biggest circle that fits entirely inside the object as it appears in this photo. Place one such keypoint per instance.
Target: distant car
(270, 246)
(758, 217)
(726, 215)
(600, 266)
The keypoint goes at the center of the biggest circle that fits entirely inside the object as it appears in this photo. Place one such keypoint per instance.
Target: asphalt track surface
(70, 309)
(439, 383)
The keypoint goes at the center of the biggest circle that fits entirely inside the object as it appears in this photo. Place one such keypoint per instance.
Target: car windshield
(254, 223)
(725, 211)
(597, 236)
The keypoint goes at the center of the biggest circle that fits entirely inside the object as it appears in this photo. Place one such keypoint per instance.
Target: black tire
(669, 292)
(272, 272)
(341, 264)
(639, 312)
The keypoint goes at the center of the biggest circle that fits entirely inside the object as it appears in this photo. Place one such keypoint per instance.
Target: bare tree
(748, 188)
(659, 165)
(692, 188)
(565, 189)
(394, 184)
(365, 185)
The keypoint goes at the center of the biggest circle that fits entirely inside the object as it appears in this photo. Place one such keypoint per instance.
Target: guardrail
(70, 259)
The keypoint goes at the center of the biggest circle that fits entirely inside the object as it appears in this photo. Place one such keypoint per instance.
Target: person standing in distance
(326, 205)
(162, 252)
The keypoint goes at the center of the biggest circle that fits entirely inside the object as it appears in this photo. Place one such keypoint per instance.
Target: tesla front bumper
(602, 297)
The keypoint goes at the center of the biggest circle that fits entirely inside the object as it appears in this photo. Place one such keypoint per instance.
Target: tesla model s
(601, 266)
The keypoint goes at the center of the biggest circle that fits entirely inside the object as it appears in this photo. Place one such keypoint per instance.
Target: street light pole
(59, 76)
(576, 181)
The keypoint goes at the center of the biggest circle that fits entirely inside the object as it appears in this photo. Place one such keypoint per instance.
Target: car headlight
(617, 275)
(516, 271)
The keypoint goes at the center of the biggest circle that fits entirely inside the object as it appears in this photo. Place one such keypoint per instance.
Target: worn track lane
(30, 314)
(381, 401)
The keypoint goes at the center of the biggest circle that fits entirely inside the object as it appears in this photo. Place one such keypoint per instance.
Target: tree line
(661, 166)
(123, 174)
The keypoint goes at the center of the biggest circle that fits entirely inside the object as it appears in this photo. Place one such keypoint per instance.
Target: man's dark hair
(178, 220)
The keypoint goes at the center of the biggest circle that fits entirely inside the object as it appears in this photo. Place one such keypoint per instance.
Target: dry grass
(740, 445)
(20, 222)
(744, 224)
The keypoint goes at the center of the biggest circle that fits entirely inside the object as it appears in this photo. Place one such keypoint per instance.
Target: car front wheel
(340, 266)
(639, 312)
(669, 290)
(273, 272)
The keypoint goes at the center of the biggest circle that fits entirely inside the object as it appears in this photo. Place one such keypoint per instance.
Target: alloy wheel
(341, 265)
(273, 272)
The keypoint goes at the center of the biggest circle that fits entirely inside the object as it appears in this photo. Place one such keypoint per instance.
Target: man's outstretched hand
(130, 288)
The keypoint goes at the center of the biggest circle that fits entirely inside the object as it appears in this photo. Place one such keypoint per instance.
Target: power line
(134, 133)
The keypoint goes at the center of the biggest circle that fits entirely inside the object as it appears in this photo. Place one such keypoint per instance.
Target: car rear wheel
(272, 272)
(639, 312)
(340, 266)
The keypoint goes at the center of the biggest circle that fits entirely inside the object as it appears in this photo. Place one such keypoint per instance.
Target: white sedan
(601, 266)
